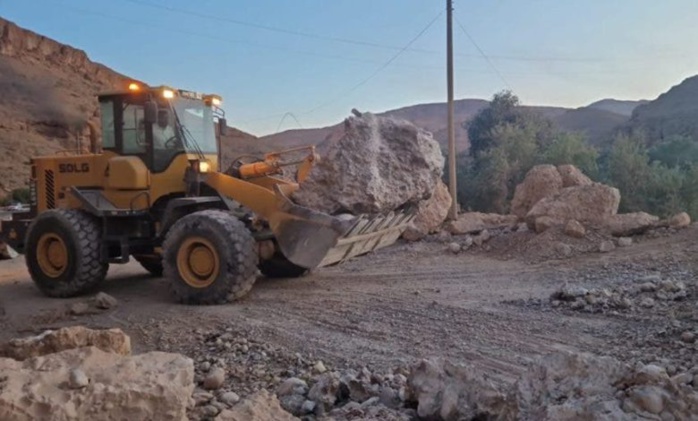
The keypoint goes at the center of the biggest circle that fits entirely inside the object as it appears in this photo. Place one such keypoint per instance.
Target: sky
(306, 63)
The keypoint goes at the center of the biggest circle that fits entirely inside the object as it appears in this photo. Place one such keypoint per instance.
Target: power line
(482, 53)
(229, 40)
(267, 27)
(357, 42)
(289, 114)
(380, 69)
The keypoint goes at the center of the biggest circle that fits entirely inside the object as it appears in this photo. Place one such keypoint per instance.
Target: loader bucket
(313, 239)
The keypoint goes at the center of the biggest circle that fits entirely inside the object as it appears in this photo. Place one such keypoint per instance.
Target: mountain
(47, 92)
(616, 106)
(431, 117)
(596, 124)
(673, 113)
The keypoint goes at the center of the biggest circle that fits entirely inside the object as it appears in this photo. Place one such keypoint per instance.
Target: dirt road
(409, 301)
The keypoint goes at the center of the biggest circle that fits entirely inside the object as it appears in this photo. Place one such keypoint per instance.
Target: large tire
(153, 264)
(63, 253)
(210, 258)
(280, 267)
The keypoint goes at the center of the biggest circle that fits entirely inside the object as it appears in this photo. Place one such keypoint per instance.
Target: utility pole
(453, 213)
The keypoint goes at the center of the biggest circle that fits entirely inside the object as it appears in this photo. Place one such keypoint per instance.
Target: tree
(571, 148)
(503, 108)
(629, 170)
(675, 151)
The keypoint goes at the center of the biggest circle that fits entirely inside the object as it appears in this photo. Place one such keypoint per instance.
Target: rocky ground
(343, 341)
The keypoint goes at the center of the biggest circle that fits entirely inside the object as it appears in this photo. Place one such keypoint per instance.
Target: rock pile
(78, 373)
(113, 341)
(646, 293)
(375, 165)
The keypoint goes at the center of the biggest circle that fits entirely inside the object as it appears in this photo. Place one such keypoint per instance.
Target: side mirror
(150, 111)
(222, 126)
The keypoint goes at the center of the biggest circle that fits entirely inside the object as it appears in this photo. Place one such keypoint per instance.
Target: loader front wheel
(63, 253)
(210, 258)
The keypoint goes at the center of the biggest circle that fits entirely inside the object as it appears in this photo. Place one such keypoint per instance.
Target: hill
(47, 91)
(431, 117)
(598, 125)
(674, 112)
(617, 106)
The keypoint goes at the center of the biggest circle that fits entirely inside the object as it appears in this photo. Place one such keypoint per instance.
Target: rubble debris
(447, 391)
(544, 223)
(645, 292)
(540, 182)
(573, 176)
(215, 379)
(625, 241)
(154, 386)
(105, 301)
(474, 222)
(592, 204)
(375, 165)
(454, 248)
(431, 214)
(575, 229)
(680, 220)
(52, 341)
(7, 252)
(606, 246)
(260, 406)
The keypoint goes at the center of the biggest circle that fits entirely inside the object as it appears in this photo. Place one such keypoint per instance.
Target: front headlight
(204, 167)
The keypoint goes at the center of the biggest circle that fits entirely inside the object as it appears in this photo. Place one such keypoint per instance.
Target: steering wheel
(173, 143)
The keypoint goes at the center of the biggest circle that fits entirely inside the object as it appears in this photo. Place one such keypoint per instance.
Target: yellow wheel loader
(152, 189)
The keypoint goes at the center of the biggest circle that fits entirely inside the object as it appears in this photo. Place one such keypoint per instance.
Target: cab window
(133, 130)
(106, 111)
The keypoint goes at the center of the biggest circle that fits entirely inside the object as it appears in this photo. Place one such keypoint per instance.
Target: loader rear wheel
(280, 267)
(153, 264)
(63, 253)
(210, 258)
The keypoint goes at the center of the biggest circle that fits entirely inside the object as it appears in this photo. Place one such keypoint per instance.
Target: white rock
(77, 379)
(454, 248)
(105, 301)
(229, 398)
(214, 379)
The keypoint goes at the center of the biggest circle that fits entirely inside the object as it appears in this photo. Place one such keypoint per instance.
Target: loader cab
(159, 124)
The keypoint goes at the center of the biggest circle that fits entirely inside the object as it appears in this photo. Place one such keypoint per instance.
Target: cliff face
(31, 47)
(47, 92)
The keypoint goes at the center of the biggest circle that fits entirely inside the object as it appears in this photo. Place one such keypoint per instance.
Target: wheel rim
(52, 255)
(198, 262)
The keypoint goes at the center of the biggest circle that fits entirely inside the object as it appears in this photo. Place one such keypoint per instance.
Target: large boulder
(376, 165)
(473, 222)
(573, 176)
(49, 342)
(431, 214)
(625, 224)
(106, 386)
(541, 181)
(447, 391)
(591, 204)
